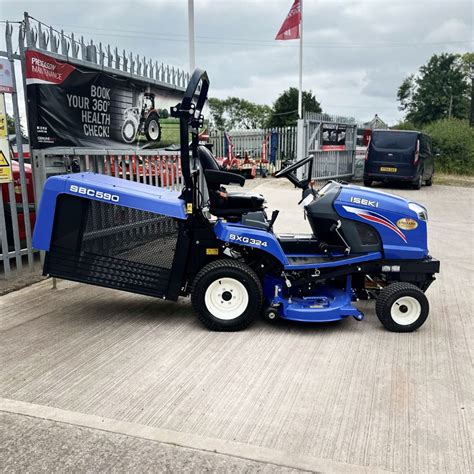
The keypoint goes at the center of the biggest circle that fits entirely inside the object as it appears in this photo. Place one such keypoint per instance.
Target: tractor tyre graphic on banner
(142, 119)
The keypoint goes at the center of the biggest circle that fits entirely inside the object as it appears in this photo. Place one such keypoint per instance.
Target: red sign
(43, 69)
(6, 79)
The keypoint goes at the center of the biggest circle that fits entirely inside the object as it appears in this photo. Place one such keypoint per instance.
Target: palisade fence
(277, 147)
(330, 164)
(19, 199)
(259, 144)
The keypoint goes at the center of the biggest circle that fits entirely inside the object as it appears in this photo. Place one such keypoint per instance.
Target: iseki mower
(142, 119)
(219, 247)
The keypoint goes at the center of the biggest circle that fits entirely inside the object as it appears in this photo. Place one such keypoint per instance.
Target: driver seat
(224, 203)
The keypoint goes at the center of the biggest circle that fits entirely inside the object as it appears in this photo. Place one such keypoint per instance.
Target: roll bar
(189, 112)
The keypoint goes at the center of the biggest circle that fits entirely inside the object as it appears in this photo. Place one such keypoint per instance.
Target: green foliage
(441, 89)
(454, 140)
(285, 108)
(164, 113)
(405, 125)
(235, 113)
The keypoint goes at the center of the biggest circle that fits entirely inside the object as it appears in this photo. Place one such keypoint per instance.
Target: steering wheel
(288, 172)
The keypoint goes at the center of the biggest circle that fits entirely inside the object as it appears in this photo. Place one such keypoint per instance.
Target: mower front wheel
(402, 307)
(226, 295)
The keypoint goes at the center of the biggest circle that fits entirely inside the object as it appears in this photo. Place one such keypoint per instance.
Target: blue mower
(219, 246)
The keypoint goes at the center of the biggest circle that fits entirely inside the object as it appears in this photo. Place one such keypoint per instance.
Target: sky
(356, 52)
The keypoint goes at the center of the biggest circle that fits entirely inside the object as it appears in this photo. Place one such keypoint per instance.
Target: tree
(164, 113)
(285, 108)
(439, 90)
(454, 139)
(235, 113)
(10, 125)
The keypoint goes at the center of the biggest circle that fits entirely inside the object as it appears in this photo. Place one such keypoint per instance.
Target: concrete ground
(95, 379)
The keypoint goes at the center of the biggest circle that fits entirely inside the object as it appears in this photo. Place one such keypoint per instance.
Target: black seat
(223, 203)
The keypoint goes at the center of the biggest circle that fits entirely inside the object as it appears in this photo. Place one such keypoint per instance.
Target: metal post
(19, 144)
(192, 55)
(300, 89)
(21, 49)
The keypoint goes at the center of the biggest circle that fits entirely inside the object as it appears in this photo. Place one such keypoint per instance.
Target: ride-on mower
(223, 251)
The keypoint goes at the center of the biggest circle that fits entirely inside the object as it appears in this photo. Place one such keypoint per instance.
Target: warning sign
(3, 126)
(3, 117)
(3, 159)
(5, 162)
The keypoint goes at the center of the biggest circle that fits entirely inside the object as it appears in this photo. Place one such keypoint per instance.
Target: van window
(394, 140)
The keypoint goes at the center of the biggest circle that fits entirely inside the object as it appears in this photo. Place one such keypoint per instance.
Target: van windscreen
(394, 140)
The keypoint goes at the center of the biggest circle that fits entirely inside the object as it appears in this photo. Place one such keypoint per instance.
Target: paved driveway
(327, 397)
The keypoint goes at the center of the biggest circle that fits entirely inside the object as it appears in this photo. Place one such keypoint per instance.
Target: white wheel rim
(129, 131)
(406, 310)
(226, 298)
(153, 130)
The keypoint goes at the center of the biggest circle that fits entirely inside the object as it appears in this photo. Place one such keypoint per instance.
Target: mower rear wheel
(226, 295)
(402, 307)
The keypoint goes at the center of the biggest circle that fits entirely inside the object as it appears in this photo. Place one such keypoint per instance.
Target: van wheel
(367, 183)
(402, 307)
(417, 184)
(227, 295)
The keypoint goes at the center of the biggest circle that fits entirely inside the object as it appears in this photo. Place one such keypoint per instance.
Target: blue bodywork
(380, 210)
(326, 304)
(106, 189)
(382, 213)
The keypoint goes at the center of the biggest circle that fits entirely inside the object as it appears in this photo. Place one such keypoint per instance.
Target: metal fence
(151, 167)
(258, 143)
(18, 200)
(330, 164)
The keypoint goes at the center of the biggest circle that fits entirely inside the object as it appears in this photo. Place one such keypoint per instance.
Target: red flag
(291, 26)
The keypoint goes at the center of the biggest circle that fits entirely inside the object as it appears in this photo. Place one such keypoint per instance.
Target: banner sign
(5, 159)
(334, 136)
(75, 106)
(6, 79)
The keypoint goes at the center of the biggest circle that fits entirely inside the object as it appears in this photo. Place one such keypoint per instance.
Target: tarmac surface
(93, 379)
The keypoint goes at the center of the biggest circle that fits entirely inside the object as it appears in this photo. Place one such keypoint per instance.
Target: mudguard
(250, 237)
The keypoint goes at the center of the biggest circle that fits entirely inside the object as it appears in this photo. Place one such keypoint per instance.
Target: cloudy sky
(356, 54)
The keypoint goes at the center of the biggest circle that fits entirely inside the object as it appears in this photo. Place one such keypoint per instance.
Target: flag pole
(300, 89)
(192, 55)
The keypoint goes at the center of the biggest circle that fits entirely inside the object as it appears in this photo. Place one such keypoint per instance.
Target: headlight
(421, 212)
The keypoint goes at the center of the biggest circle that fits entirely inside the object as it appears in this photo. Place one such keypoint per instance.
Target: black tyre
(402, 307)
(367, 183)
(429, 181)
(418, 183)
(226, 295)
(153, 127)
(271, 314)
